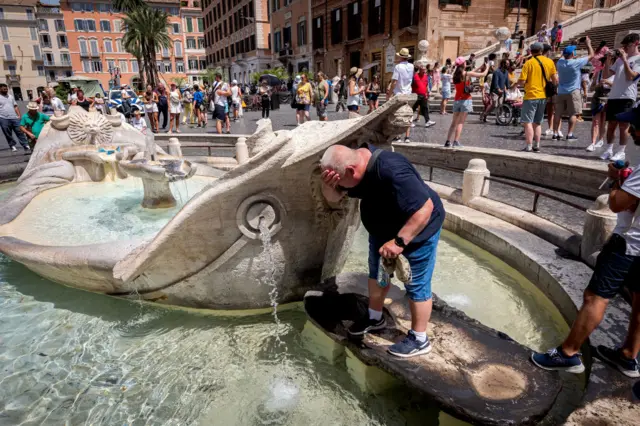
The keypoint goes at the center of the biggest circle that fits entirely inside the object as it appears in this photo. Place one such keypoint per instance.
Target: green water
(73, 357)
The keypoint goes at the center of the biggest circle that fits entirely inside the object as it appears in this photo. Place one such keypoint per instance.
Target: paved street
(474, 134)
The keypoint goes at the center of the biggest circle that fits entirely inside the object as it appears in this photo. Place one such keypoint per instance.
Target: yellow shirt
(532, 76)
(304, 93)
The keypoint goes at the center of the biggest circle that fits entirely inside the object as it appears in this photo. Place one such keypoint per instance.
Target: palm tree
(146, 29)
(179, 81)
(126, 6)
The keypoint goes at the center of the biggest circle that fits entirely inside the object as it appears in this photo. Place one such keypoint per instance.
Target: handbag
(550, 89)
(468, 87)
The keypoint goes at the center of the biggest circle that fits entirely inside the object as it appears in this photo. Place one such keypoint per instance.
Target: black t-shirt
(391, 192)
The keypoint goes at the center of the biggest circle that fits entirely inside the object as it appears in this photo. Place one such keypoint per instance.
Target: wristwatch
(399, 242)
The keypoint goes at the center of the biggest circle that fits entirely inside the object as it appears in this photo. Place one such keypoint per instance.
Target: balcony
(9, 58)
(39, 58)
(285, 53)
(13, 78)
(85, 54)
(59, 64)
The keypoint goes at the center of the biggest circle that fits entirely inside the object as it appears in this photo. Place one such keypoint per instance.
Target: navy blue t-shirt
(391, 191)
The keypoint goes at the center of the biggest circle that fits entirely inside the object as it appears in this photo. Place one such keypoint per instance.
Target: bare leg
(631, 345)
(550, 113)
(601, 132)
(624, 131)
(452, 127)
(589, 316)
(572, 123)
(219, 126)
(177, 121)
(462, 116)
(595, 129)
(611, 132)
(537, 133)
(420, 314)
(557, 120)
(528, 133)
(377, 295)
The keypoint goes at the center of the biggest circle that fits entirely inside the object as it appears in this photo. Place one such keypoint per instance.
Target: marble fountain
(102, 208)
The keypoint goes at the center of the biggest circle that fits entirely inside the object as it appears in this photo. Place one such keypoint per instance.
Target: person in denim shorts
(535, 97)
(403, 216)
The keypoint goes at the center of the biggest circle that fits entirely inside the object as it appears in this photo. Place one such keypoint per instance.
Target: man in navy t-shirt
(403, 216)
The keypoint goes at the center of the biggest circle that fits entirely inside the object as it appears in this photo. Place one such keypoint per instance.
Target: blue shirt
(499, 80)
(569, 74)
(391, 191)
(198, 96)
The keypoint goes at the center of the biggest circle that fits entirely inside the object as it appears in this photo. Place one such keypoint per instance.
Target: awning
(371, 65)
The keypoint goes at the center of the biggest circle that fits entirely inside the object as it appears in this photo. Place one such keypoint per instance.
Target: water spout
(150, 147)
(269, 277)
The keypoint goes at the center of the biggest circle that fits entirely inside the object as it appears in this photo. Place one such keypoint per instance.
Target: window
(30, 16)
(233, 51)
(96, 65)
(117, 25)
(41, 70)
(411, 17)
(376, 17)
(45, 40)
(286, 37)
(203, 64)
(65, 59)
(159, 66)
(60, 25)
(177, 48)
(200, 25)
(124, 66)
(68, 73)
(336, 26)
(94, 47)
(91, 25)
(12, 69)
(191, 43)
(134, 66)
(275, 5)
(119, 46)
(76, 7)
(175, 11)
(354, 21)
(108, 45)
(167, 66)
(354, 59)
(83, 46)
(252, 43)
(79, 24)
(1, 13)
(49, 59)
(43, 25)
(36, 52)
(318, 33)
(302, 33)
(165, 52)
(34, 33)
(193, 64)
(63, 42)
(176, 28)
(189, 25)
(8, 53)
(86, 65)
(251, 9)
(569, 3)
(277, 42)
(5, 32)
(200, 43)
(111, 64)
(179, 66)
(105, 26)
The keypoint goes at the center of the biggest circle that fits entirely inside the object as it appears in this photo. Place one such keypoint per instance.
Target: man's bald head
(338, 158)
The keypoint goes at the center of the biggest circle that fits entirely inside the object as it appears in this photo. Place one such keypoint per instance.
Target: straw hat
(357, 72)
(404, 53)
(32, 106)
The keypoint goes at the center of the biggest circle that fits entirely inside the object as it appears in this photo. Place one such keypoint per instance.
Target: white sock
(555, 133)
(420, 337)
(622, 148)
(610, 148)
(375, 315)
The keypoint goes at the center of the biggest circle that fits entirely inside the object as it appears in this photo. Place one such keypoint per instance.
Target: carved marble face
(85, 128)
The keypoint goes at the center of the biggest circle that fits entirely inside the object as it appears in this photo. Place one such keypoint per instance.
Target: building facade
(368, 33)
(237, 37)
(54, 43)
(95, 31)
(195, 61)
(291, 33)
(21, 58)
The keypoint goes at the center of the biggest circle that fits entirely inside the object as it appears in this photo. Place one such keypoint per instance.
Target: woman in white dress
(175, 108)
(151, 110)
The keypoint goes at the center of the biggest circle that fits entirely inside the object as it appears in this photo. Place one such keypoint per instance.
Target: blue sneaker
(628, 367)
(409, 347)
(555, 360)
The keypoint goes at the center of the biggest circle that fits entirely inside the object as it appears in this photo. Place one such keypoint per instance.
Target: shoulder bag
(550, 89)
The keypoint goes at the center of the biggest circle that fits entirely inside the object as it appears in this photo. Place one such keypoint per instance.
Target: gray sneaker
(457, 144)
(527, 148)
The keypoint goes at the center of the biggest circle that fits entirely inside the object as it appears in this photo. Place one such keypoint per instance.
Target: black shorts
(219, 113)
(353, 108)
(617, 106)
(615, 269)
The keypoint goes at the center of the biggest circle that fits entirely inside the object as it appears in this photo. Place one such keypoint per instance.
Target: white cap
(234, 82)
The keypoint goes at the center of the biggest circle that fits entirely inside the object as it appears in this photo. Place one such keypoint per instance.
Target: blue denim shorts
(463, 105)
(533, 111)
(422, 260)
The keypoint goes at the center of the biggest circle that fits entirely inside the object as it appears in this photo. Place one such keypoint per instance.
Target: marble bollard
(174, 148)
(473, 180)
(598, 227)
(242, 151)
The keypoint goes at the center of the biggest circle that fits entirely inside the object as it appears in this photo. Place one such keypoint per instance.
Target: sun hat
(32, 105)
(404, 53)
(460, 61)
(234, 82)
(355, 71)
(298, 79)
(569, 51)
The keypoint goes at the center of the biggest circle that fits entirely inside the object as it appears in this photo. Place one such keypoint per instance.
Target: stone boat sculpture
(262, 224)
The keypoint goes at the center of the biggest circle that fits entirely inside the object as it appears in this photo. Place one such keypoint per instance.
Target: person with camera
(617, 267)
(539, 78)
(624, 64)
(569, 99)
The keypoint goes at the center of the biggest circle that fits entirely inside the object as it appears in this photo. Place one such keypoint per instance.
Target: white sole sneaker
(590, 148)
(606, 155)
(575, 370)
(424, 351)
(599, 144)
(618, 156)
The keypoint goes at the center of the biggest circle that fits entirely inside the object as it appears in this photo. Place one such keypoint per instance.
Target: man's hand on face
(390, 250)
(623, 54)
(330, 178)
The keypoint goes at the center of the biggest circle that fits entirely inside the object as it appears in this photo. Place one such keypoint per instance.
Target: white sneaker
(620, 155)
(599, 144)
(591, 148)
(548, 132)
(413, 124)
(607, 155)
(429, 123)
(14, 149)
(560, 134)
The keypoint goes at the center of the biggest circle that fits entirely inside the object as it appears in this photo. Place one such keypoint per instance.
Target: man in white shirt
(220, 93)
(617, 267)
(138, 122)
(56, 103)
(401, 79)
(10, 119)
(624, 63)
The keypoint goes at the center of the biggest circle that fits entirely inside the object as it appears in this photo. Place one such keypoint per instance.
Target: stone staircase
(608, 32)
